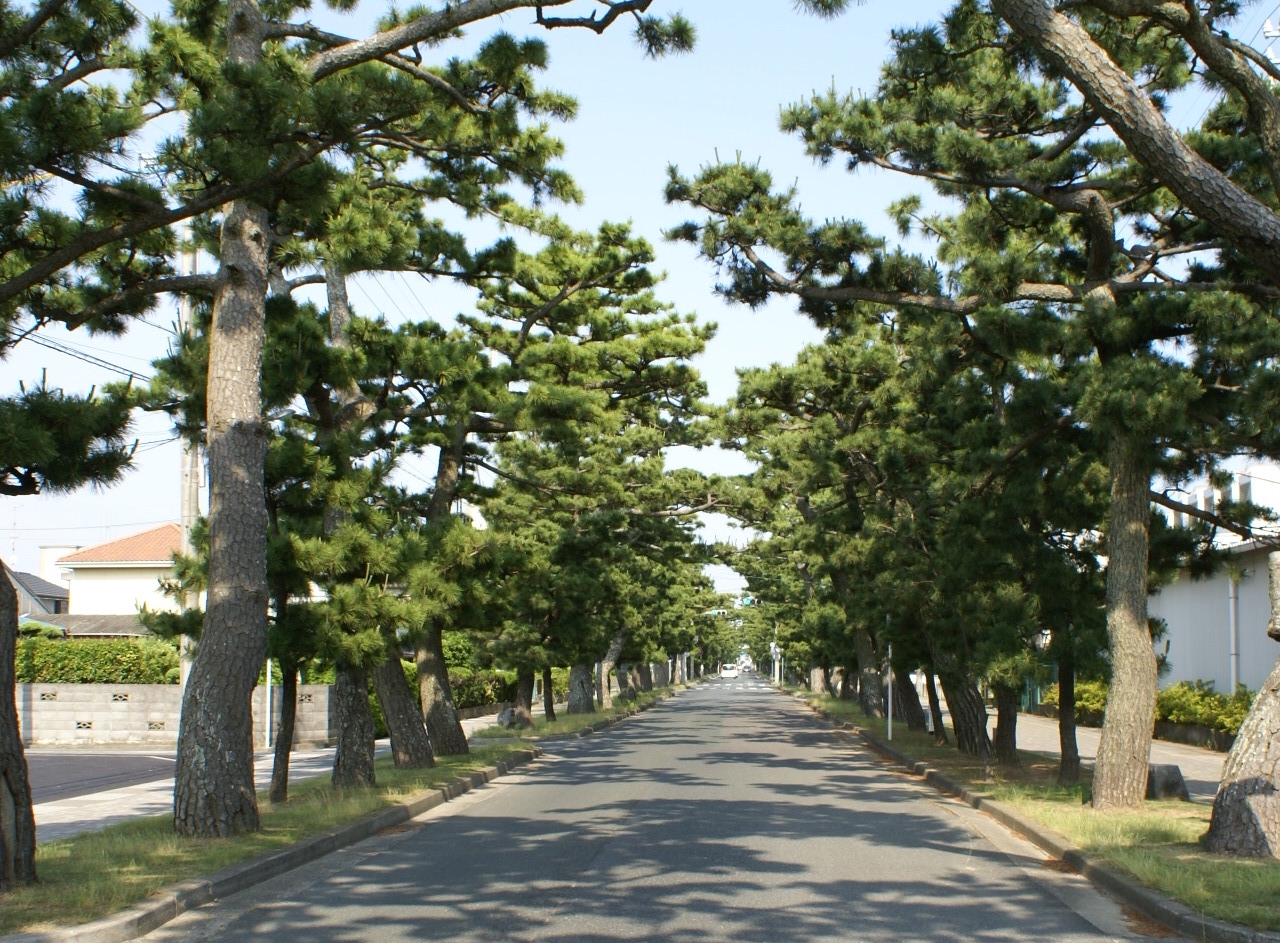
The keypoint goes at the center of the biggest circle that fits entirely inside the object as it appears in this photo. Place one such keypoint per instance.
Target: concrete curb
(1151, 904)
(164, 906)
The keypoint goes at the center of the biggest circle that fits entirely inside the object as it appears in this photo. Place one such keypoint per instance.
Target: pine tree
(267, 100)
(1056, 231)
(1225, 174)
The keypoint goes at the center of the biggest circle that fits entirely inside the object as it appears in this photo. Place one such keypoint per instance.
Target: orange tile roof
(157, 545)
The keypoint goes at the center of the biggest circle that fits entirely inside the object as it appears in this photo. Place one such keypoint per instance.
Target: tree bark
(1245, 221)
(548, 694)
(17, 817)
(626, 689)
(1246, 810)
(582, 698)
(935, 710)
(968, 715)
(848, 683)
(353, 758)
(870, 682)
(1120, 774)
(279, 791)
(604, 697)
(1006, 742)
(644, 676)
(524, 697)
(1069, 765)
(906, 701)
(213, 792)
(410, 747)
(438, 708)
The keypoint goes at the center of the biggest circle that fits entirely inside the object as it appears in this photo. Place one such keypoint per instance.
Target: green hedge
(481, 688)
(1186, 702)
(97, 661)
(1091, 700)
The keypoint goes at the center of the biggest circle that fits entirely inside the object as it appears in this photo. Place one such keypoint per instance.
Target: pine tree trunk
(906, 701)
(582, 697)
(1069, 766)
(626, 690)
(548, 694)
(285, 732)
(410, 748)
(1006, 742)
(524, 697)
(353, 758)
(1120, 774)
(680, 673)
(935, 710)
(870, 681)
(213, 792)
(848, 683)
(644, 676)
(1246, 810)
(968, 715)
(438, 709)
(17, 818)
(604, 696)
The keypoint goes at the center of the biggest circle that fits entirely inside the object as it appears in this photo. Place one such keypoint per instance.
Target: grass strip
(1158, 845)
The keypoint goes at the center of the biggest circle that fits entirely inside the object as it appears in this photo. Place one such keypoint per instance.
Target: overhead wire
(72, 352)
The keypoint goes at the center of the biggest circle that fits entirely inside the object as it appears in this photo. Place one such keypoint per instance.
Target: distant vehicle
(728, 671)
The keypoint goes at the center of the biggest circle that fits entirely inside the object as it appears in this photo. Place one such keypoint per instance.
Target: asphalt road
(726, 813)
(66, 774)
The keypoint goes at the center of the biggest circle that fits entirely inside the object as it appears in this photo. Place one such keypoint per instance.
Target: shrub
(1190, 702)
(1091, 699)
(481, 688)
(1196, 702)
(97, 661)
(1237, 706)
(1185, 702)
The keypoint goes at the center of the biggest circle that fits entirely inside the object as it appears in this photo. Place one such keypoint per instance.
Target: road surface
(728, 812)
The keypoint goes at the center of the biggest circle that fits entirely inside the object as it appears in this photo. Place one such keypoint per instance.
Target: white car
(728, 671)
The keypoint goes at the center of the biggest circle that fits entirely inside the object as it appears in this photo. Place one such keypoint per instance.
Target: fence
(147, 714)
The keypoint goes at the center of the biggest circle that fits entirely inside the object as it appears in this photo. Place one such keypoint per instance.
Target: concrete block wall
(147, 714)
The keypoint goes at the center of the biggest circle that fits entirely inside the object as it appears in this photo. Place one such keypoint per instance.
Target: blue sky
(636, 116)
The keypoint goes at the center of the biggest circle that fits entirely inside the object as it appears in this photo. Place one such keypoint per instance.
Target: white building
(1217, 626)
(120, 577)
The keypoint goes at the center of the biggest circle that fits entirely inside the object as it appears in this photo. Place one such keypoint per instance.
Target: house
(1216, 626)
(38, 597)
(120, 577)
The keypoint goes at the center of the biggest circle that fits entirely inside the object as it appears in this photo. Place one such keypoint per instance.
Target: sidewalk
(63, 818)
(1201, 767)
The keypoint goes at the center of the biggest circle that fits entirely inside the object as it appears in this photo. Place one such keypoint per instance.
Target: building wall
(118, 590)
(85, 714)
(1197, 613)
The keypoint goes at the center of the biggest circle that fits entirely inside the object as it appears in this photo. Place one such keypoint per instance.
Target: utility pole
(189, 508)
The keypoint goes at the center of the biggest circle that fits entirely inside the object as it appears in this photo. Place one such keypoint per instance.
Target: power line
(86, 358)
(83, 527)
